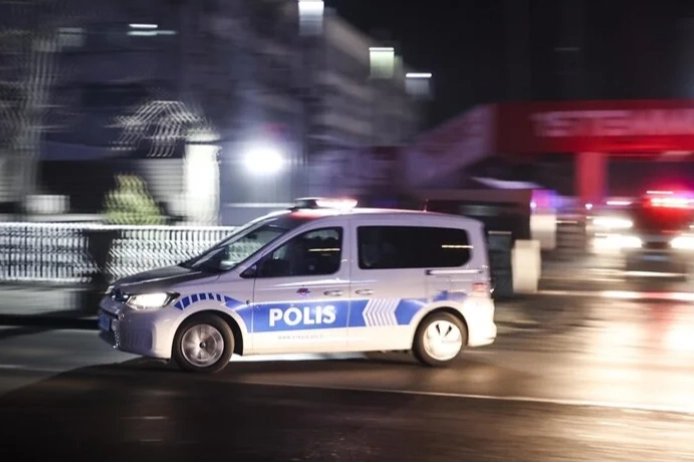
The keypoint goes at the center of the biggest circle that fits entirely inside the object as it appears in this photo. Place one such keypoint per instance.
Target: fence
(60, 253)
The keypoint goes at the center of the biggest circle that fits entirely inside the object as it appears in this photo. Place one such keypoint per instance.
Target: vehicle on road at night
(654, 234)
(323, 277)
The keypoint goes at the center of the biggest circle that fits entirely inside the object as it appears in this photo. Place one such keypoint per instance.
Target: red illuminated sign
(629, 127)
(563, 124)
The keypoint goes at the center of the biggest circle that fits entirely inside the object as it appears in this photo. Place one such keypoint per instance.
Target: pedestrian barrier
(58, 253)
(69, 253)
(526, 261)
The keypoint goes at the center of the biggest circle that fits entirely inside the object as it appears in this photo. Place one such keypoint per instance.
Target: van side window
(314, 253)
(398, 247)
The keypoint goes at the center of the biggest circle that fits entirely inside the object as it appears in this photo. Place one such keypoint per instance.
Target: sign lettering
(295, 316)
(614, 123)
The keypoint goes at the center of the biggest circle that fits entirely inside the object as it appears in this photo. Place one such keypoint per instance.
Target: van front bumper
(140, 333)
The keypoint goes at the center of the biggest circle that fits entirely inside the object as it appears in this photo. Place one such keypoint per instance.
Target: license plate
(104, 323)
(654, 257)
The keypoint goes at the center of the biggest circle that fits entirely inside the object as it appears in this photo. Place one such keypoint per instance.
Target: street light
(263, 160)
(418, 84)
(311, 16)
(382, 62)
(418, 75)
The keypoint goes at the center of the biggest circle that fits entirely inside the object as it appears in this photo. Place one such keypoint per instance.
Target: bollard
(499, 246)
(526, 262)
(543, 228)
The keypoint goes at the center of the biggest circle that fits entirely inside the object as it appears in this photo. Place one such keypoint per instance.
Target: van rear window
(396, 247)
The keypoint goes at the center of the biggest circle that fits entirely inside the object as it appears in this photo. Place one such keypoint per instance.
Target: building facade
(353, 109)
(221, 106)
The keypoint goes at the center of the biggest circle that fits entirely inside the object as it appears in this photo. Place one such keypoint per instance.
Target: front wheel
(439, 339)
(203, 344)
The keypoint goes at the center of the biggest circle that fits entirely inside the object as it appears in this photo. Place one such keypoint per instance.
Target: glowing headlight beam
(617, 242)
(616, 223)
(150, 301)
(683, 242)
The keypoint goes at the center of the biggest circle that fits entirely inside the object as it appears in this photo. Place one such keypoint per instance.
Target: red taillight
(480, 288)
(668, 199)
(672, 202)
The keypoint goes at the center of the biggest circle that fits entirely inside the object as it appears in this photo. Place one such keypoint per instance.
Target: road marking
(624, 295)
(591, 280)
(455, 395)
(146, 418)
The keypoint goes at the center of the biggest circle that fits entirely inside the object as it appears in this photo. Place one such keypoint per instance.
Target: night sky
(459, 41)
(482, 51)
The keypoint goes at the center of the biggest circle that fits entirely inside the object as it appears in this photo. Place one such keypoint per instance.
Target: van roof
(311, 214)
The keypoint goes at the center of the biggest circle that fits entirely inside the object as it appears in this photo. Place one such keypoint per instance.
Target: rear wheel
(439, 339)
(203, 344)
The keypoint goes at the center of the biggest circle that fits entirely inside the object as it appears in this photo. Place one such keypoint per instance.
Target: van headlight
(683, 242)
(631, 242)
(617, 242)
(613, 223)
(151, 301)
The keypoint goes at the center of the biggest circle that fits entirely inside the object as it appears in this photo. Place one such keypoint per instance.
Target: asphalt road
(571, 378)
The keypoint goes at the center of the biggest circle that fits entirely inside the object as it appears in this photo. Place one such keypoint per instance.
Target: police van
(323, 277)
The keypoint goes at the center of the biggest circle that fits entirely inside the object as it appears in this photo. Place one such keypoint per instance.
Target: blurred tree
(131, 204)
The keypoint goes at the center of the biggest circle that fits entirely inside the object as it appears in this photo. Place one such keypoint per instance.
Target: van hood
(159, 279)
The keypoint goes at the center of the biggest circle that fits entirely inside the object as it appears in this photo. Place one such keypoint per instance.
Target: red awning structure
(612, 127)
(593, 130)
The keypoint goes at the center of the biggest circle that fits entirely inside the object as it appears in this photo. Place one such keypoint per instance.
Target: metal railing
(62, 253)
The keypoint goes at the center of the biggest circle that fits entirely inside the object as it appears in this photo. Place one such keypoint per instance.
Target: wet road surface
(570, 378)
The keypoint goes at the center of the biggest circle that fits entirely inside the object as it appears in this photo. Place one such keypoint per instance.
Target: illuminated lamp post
(382, 62)
(311, 13)
(418, 84)
(264, 160)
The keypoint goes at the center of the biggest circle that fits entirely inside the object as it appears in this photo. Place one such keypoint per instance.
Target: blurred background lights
(263, 160)
(382, 62)
(418, 84)
(311, 16)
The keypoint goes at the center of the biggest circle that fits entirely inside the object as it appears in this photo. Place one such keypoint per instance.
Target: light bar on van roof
(337, 203)
(326, 203)
(672, 202)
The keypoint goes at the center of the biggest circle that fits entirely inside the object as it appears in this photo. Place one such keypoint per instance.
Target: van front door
(301, 295)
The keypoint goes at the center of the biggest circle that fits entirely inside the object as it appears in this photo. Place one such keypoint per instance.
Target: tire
(426, 352)
(216, 344)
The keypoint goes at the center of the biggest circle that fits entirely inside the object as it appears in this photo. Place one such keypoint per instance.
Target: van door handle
(364, 292)
(336, 293)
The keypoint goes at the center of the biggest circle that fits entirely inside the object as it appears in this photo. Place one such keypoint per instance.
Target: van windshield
(242, 244)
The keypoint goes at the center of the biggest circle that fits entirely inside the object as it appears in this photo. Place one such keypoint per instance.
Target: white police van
(323, 277)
